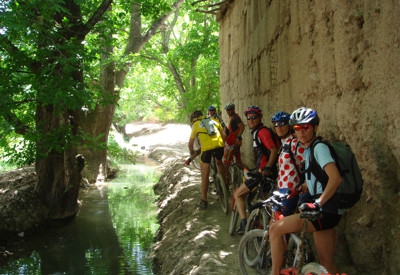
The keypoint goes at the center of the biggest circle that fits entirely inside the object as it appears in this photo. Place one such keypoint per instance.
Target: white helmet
(304, 115)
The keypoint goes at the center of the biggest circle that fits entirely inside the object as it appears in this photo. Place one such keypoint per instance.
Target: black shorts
(207, 155)
(253, 183)
(328, 221)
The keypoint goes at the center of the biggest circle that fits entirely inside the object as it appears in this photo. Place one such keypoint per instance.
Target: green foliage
(151, 90)
(119, 153)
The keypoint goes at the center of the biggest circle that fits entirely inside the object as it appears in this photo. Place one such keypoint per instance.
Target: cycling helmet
(211, 108)
(195, 116)
(280, 116)
(304, 115)
(253, 110)
(230, 106)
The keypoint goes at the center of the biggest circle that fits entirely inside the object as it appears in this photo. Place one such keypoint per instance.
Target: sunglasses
(281, 123)
(252, 117)
(303, 127)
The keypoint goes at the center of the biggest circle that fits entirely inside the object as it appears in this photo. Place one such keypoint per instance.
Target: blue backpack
(350, 189)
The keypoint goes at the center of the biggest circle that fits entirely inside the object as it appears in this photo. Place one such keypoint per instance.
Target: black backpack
(350, 189)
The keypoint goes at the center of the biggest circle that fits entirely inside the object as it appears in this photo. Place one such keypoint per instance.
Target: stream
(112, 233)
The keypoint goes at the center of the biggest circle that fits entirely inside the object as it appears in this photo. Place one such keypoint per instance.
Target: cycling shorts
(328, 221)
(253, 183)
(230, 152)
(207, 155)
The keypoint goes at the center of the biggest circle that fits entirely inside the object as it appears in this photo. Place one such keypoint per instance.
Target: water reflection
(111, 235)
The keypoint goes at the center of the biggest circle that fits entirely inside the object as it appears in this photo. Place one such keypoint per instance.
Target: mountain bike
(258, 219)
(255, 252)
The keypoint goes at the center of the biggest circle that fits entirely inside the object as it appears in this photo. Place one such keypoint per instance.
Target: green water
(112, 233)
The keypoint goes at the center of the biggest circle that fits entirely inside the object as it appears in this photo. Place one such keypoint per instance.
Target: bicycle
(255, 252)
(258, 219)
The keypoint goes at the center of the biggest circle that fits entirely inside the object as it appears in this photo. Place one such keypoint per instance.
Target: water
(112, 233)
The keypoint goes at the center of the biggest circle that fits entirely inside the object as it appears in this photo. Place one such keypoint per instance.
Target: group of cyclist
(296, 131)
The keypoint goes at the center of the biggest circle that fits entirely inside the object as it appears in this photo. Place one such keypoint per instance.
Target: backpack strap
(292, 155)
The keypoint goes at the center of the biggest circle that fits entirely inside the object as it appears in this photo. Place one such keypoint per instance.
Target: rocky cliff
(341, 58)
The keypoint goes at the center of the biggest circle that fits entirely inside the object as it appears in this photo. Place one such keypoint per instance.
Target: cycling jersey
(208, 142)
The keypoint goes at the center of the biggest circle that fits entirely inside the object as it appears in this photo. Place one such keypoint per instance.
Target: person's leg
(279, 228)
(240, 196)
(205, 177)
(325, 244)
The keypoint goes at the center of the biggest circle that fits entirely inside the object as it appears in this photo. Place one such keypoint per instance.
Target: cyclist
(211, 145)
(212, 113)
(305, 122)
(233, 140)
(290, 159)
(265, 147)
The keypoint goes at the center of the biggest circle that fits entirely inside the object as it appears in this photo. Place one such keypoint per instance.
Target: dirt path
(190, 240)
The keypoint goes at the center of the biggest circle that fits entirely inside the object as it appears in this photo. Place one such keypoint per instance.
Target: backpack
(274, 136)
(350, 189)
(209, 124)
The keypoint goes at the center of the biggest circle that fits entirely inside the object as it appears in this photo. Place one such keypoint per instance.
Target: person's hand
(309, 206)
(266, 171)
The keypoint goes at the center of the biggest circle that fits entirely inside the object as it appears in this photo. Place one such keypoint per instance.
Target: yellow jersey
(208, 142)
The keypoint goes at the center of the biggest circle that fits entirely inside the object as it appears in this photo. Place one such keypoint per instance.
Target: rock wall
(341, 58)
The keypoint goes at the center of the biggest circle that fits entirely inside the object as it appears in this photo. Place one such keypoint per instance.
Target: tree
(48, 68)
(183, 66)
(42, 62)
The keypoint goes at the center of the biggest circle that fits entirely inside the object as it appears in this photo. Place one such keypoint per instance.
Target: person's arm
(191, 148)
(273, 156)
(333, 183)
(241, 129)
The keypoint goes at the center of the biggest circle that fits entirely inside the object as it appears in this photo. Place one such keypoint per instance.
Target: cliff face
(341, 58)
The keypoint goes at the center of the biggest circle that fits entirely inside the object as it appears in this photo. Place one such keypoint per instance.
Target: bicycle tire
(222, 193)
(234, 219)
(196, 162)
(258, 219)
(313, 269)
(260, 261)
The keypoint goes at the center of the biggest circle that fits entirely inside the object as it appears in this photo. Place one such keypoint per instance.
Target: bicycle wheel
(236, 176)
(196, 162)
(313, 269)
(222, 193)
(234, 218)
(254, 253)
(258, 219)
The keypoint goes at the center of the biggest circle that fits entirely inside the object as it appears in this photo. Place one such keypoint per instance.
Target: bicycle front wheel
(258, 219)
(196, 162)
(313, 269)
(234, 218)
(254, 253)
(222, 193)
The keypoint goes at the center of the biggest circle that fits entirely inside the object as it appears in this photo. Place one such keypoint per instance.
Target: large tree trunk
(58, 173)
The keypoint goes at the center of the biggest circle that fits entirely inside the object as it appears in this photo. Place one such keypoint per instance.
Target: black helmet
(211, 108)
(229, 106)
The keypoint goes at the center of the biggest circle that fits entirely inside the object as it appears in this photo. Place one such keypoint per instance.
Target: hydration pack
(350, 189)
(209, 124)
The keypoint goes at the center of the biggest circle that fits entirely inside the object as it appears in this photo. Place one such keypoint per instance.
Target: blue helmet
(280, 116)
(304, 115)
(211, 108)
